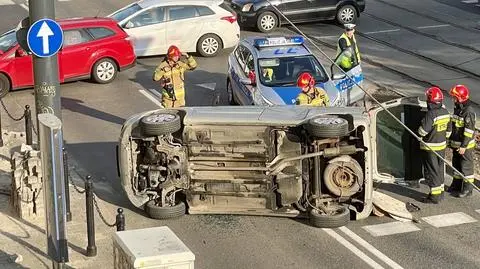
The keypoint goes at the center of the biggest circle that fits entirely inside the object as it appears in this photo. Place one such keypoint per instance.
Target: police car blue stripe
(346, 84)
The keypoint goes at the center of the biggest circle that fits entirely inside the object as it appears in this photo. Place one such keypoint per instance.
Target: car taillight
(230, 19)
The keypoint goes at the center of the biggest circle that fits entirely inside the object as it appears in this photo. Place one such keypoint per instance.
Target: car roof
(85, 21)
(149, 3)
(270, 52)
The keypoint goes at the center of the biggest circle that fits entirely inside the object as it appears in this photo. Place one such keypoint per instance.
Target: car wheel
(266, 22)
(338, 216)
(160, 124)
(164, 212)
(209, 45)
(4, 85)
(104, 71)
(326, 127)
(343, 177)
(347, 14)
(231, 99)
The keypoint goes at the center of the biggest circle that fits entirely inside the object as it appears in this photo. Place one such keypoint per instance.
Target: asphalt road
(93, 115)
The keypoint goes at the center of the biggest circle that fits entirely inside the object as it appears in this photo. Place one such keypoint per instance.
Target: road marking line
(433, 26)
(370, 248)
(396, 227)
(325, 36)
(470, 1)
(7, 3)
(383, 31)
(24, 6)
(478, 211)
(451, 219)
(150, 97)
(353, 248)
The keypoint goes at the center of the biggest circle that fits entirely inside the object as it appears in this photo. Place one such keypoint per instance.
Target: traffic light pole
(45, 69)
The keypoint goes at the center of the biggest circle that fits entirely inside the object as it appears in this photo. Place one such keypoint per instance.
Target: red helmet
(173, 51)
(305, 79)
(460, 92)
(434, 95)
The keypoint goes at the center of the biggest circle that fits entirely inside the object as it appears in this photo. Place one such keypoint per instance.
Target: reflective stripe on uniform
(437, 190)
(456, 144)
(441, 122)
(468, 132)
(448, 134)
(434, 146)
(469, 179)
(421, 131)
(459, 121)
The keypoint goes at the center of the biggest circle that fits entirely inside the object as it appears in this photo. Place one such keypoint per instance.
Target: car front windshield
(125, 13)
(284, 71)
(8, 41)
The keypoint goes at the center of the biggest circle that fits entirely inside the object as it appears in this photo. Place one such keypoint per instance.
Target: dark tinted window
(225, 6)
(100, 32)
(204, 11)
(179, 13)
(121, 15)
(149, 17)
(75, 37)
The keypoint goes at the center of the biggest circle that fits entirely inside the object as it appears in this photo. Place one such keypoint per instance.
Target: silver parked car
(291, 161)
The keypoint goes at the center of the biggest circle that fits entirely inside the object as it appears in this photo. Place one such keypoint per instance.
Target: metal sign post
(51, 144)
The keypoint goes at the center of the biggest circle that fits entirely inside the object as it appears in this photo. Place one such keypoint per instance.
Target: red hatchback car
(94, 48)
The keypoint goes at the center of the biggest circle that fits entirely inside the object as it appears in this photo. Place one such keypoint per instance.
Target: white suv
(203, 26)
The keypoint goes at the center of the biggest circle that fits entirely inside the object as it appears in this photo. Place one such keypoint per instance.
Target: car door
(242, 67)
(75, 54)
(347, 81)
(184, 27)
(148, 31)
(23, 66)
(321, 9)
(395, 153)
(295, 10)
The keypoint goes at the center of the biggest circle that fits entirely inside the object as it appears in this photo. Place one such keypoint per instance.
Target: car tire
(209, 45)
(164, 212)
(230, 98)
(326, 127)
(4, 85)
(266, 22)
(339, 219)
(347, 14)
(160, 124)
(104, 71)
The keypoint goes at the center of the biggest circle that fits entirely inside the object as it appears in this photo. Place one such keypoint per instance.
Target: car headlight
(247, 7)
(259, 99)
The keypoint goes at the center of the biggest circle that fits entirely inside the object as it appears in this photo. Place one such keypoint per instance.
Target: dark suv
(264, 17)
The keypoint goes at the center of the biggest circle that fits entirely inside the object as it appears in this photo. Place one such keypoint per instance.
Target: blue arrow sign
(45, 38)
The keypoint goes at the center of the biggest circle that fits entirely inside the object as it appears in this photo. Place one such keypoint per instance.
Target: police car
(264, 71)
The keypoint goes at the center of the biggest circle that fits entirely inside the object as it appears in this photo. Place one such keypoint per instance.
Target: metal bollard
(28, 125)
(91, 248)
(120, 220)
(66, 182)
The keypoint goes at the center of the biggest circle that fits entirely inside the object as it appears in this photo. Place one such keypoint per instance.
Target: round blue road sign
(45, 38)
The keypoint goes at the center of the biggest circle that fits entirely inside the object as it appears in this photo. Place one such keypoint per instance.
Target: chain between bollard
(10, 115)
(100, 213)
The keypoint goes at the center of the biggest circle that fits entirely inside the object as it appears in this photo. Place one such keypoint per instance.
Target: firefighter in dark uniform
(462, 142)
(434, 129)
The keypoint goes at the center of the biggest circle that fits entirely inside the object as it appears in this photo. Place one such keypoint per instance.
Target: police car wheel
(209, 45)
(326, 127)
(160, 124)
(347, 14)
(266, 22)
(104, 71)
(4, 85)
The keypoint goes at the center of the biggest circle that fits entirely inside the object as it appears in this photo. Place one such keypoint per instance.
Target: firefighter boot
(466, 191)
(433, 198)
(456, 186)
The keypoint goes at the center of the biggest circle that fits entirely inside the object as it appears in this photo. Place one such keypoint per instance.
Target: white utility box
(151, 248)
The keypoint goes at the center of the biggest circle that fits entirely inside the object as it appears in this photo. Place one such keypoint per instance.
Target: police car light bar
(278, 41)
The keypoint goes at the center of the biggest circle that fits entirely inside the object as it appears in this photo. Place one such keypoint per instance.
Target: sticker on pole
(45, 38)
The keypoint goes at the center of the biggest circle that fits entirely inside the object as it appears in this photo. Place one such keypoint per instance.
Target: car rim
(159, 118)
(328, 121)
(267, 22)
(347, 15)
(105, 71)
(210, 45)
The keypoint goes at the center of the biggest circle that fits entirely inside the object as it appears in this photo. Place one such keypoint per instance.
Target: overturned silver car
(290, 161)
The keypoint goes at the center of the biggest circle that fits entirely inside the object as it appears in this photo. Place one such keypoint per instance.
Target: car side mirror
(252, 77)
(338, 76)
(129, 25)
